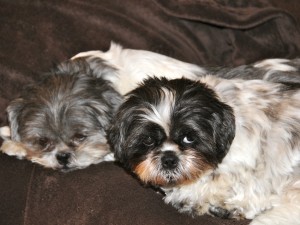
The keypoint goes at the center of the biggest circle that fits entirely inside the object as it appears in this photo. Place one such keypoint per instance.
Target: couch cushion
(101, 194)
(36, 34)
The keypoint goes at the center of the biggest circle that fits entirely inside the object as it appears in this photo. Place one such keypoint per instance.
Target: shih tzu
(228, 148)
(61, 122)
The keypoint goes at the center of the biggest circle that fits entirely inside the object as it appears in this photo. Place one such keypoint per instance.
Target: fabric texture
(37, 34)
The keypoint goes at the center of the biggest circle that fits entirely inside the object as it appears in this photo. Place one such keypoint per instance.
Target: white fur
(260, 176)
(136, 65)
(5, 132)
(169, 147)
(161, 112)
(274, 65)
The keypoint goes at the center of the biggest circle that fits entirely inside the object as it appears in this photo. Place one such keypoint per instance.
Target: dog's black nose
(169, 160)
(63, 158)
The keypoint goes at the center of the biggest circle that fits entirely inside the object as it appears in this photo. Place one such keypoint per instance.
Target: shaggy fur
(117, 71)
(229, 148)
(133, 66)
(61, 122)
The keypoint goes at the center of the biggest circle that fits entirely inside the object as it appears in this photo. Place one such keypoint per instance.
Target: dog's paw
(219, 212)
(109, 157)
(5, 133)
(225, 213)
(12, 148)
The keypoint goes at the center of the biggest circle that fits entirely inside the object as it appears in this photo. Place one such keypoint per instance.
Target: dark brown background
(36, 34)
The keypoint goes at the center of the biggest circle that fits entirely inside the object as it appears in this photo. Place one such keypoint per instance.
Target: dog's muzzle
(169, 160)
(63, 158)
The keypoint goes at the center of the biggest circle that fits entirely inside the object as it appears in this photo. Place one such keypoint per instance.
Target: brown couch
(36, 34)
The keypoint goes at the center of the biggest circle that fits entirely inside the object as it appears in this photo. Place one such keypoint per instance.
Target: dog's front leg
(12, 148)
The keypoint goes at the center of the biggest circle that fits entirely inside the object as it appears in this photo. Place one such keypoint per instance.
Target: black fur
(198, 114)
(219, 212)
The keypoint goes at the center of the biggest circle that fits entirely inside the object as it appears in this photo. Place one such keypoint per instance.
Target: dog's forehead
(160, 113)
(179, 110)
(57, 121)
(70, 126)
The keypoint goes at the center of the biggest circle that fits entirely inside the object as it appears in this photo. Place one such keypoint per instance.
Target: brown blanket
(36, 34)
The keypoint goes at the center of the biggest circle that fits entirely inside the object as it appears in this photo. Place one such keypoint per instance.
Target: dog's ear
(105, 109)
(116, 136)
(202, 101)
(119, 130)
(113, 98)
(14, 111)
(224, 130)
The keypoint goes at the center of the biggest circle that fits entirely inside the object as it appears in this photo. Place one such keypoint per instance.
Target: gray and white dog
(61, 122)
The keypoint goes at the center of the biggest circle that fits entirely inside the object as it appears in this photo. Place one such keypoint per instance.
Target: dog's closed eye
(78, 138)
(43, 142)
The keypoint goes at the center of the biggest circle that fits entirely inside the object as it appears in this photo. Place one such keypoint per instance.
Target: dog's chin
(167, 178)
(190, 168)
(79, 158)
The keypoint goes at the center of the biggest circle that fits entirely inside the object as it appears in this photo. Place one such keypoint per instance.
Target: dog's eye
(148, 141)
(43, 142)
(78, 138)
(188, 140)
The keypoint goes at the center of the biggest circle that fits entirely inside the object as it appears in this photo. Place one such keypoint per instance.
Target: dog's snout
(169, 160)
(63, 158)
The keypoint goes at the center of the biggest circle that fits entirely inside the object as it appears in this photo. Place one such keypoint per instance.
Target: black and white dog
(61, 122)
(229, 148)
